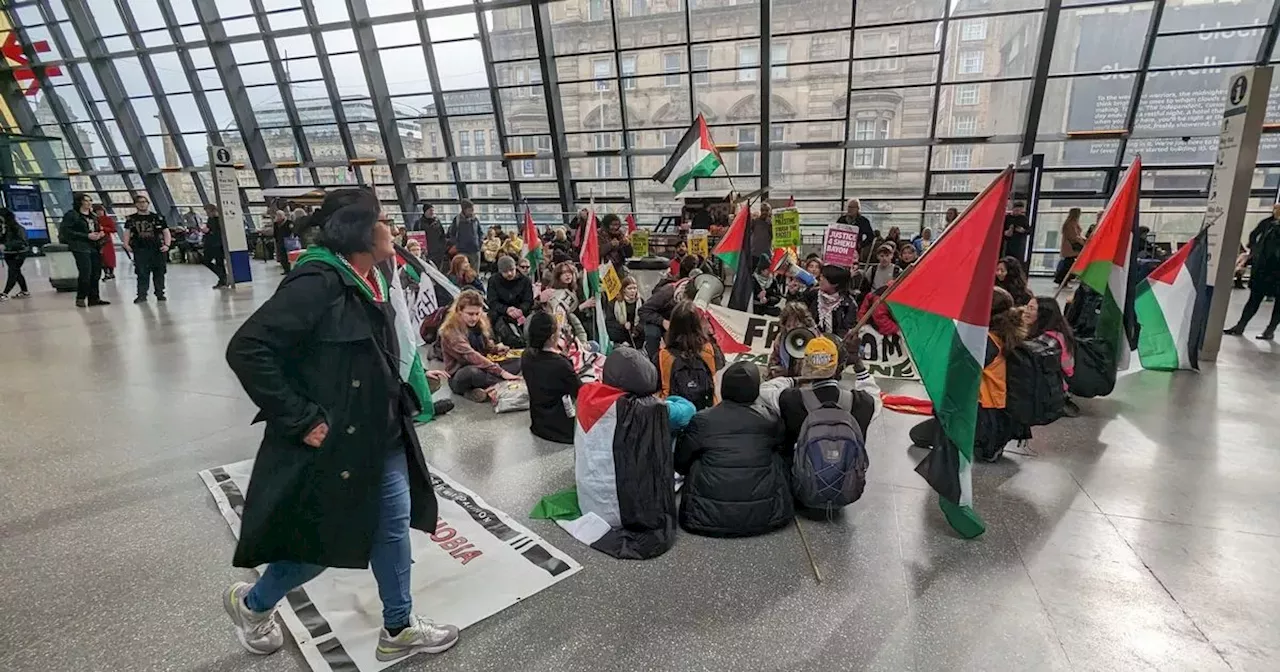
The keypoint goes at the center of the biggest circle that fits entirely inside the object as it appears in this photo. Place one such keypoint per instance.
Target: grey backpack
(830, 466)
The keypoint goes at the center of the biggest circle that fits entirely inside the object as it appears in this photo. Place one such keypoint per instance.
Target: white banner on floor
(478, 562)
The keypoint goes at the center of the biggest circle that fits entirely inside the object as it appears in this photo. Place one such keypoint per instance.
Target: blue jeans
(390, 558)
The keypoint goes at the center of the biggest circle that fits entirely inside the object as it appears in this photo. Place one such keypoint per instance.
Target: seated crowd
(761, 446)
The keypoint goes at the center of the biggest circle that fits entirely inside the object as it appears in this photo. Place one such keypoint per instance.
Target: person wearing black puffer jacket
(731, 454)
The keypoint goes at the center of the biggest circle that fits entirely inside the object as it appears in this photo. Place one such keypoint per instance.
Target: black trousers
(150, 265)
(1256, 296)
(213, 261)
(652, 340)
(15, 277)
(472, 377)
(88, 272)
(1064, 267)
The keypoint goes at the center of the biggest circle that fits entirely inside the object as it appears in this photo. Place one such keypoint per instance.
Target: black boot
(1268, 335)
(1237, 330)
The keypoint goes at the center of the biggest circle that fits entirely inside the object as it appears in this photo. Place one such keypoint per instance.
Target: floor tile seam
(1251, 533)
(1044, 606)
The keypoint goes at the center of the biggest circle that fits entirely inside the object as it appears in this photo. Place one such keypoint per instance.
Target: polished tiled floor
(1142, 536)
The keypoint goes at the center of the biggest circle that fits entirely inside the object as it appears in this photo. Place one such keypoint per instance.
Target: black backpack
(691, 379)
(1034, 378)
(1095, 373)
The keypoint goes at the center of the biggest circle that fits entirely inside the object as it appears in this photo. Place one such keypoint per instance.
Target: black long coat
(318, 350)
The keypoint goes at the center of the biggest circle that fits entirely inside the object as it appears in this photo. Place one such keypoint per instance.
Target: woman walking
(13, 242)
(84, 238)
(339, 478)
(1071, 245)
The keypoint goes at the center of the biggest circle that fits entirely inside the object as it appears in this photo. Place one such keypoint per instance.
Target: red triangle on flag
(1167, 272)
(590, 256)
(631, 223)
(954, 278)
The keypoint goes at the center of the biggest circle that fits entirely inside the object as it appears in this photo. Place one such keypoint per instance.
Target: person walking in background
(147, 236)
(1017, 230)
(82, 235)
(214, 252)
(323, 349)
(465, 233)
(14, 245)
(1264, 280)
(280, 230)
(108, 226)
(1070, 246)
(437, 241)
(853, 217)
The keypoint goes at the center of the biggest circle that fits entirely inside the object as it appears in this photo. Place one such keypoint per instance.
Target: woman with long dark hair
(83, 236)
(340, 477)
(13, 241)
(687, 362)
(1012, 278)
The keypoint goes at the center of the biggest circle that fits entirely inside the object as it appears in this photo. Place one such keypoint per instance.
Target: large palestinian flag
(590, 258)
(625, 502)
(734, 241)
(695, 156)
(411, 369)
(1105, 262)
(1173, 307)
(944, 308)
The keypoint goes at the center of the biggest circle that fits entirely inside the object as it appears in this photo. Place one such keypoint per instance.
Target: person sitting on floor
(623, 466)
(655, 313)
(736, 478)
(467, 341)
(994, 427)
(767, 289)
(622, 319)
(834, 309)
(794, 315)
(820, 371)
(553, 384)
(510, 302)
(687, 362)
(462, 275)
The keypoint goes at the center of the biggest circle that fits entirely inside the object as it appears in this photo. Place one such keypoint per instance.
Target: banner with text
(478, 562)
(640, 244)
(750, 338)
(786, 229)
(840, 246)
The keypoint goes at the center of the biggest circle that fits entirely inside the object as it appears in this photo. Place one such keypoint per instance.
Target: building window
(967, 94)
(776, 133)
(964, 125)
(639, 7)
(701, 61)
(746, 159)
(670, 138)
(867, 130)
(479, 136)
(435, 147)
(604, 164)
(748, 57)
(973, 29)
(671, 64)
(779, 55)
(600, 73)
(961, 157)
(971, 62)
(822, 48)
(628, 72)
(892, 45)
(464, 143)
(595, 10)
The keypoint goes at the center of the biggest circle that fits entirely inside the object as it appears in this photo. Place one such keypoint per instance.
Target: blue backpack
(830, 466)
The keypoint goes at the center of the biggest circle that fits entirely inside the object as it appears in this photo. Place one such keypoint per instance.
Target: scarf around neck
(374, 289)
(827, 303)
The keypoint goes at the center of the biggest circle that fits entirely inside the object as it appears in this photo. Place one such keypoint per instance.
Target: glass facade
(909, 105)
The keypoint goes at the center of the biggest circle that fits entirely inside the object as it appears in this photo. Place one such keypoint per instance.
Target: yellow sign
(700, 243)
(610, 281)
(640, 244)
(786, 229)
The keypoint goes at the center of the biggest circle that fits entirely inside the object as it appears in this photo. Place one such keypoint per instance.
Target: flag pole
(878, 299)
(807, 551)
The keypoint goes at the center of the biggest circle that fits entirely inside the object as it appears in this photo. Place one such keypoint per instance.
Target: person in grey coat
(465, 233)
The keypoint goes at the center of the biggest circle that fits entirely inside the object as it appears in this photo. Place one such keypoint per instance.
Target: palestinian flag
(631, 223)
(624, 504)
(695, 156)
(734, 241)
(1173, 307)
(944, 308)
(411, 369)
(532, 243)
(1105, 262)
(590, 258)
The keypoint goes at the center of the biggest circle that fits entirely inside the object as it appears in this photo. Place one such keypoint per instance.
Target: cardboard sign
(786, 229)
(700, 243)
(610, 281)
(640, 244)
(420, 236)
(840, 246)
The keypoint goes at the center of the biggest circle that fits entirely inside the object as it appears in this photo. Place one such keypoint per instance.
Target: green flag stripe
(1096, 275)
(1156, 346)
(950, 374)
(704, 168)
(730, 259)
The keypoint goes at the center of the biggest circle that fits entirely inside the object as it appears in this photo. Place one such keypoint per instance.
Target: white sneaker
(258, 633)
(422, 636)
(4, 297)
